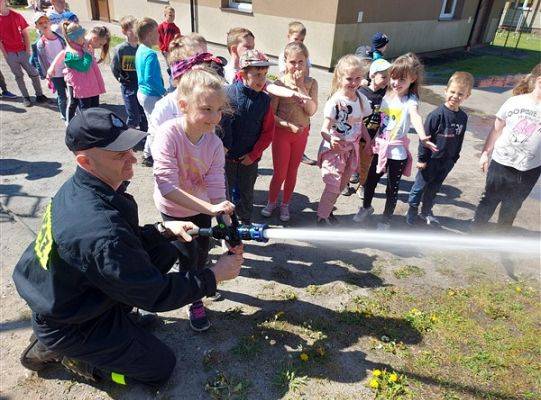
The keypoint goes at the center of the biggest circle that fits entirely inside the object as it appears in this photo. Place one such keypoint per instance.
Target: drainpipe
(474, 23)
(192, 14)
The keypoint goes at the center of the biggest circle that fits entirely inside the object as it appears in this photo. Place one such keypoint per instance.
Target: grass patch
(226, 387)
(248, 347)
(289, 379)
(527, 41)
(407, 271)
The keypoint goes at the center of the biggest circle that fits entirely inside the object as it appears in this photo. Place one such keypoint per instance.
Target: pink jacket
(381, 148)
(179, 164)
(85, 84)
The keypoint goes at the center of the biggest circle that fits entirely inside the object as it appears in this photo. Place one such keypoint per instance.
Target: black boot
(37, 356)
(82, 369)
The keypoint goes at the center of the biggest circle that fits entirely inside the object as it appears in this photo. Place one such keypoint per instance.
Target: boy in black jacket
(446, 126)
(123, 67)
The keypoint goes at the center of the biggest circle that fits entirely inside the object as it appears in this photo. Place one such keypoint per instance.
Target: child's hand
(336, 143)
(300, 96)
(225, 207)
(421, 165)
(365, 83)
(246, 161)
(429, 145)
(295, 128)
(483, 161)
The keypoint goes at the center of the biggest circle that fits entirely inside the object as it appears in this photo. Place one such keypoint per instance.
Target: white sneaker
(284, 213)
(362, 214)
(430, 219)
(360, 192)
(268, 209)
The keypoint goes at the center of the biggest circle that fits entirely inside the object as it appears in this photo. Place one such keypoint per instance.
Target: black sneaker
(27, 102)
(147, 161)
(354, 178)
(333, 220)
(307, 160)
(8, 95)
(198, 317)
(42, 98)
(411, 215)
(348, 191)
(37, 356)
(81, 368)
(145, 319)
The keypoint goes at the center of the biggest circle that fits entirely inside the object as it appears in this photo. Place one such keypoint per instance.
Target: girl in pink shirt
(189, 170)
(81, 72)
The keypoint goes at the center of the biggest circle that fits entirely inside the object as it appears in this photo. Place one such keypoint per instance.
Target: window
(241, 5)
(447, 9)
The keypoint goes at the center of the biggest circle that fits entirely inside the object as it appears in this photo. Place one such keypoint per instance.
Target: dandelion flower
(518, 289)
(374, 384)
(376, 372)
(304, 357)
(393, 377)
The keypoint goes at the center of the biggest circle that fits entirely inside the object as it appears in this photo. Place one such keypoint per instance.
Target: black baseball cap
(99, 127)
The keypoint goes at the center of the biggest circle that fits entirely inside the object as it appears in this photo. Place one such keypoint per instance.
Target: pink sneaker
(284, 212)
(269, 208)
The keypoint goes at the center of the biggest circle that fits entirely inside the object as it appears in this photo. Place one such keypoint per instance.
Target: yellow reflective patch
(118, 378)
(44, 240)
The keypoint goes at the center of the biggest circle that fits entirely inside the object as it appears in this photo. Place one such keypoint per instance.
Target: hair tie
(179, 68)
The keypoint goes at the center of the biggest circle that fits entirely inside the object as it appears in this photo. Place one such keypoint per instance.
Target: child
(399, 109)
(44, 51)
(292, 121)
(123, 68)
(296, 32)
(379, 45)
(342, 128)
(15, 47)
(149, 76)
(188, 156)
(515, 145)
(81, 73)
(446, 126)
(99, 38)
(167, 30)
(249, 131)
(374, 92)
(239, 40)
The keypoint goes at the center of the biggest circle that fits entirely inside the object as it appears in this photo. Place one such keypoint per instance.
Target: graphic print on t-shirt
(452, 130)
(517, 151)
(191, 175)
(391, 122)
(128, 63)
(344, 121)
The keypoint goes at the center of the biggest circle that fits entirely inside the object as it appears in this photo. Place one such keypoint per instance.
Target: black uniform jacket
(90, 255)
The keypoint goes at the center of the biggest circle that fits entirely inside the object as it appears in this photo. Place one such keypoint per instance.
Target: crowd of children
(205, 138)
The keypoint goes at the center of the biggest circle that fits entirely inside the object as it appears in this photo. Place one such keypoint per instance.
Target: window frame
(242, 7)
(447, 16)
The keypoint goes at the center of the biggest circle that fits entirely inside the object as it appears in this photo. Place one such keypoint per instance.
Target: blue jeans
(428, 182)
(61, 98)
(134, 110)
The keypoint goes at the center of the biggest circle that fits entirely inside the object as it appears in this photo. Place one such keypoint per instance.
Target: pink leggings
(287, 151)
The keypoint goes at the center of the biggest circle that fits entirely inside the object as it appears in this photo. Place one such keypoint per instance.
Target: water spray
(235, 233)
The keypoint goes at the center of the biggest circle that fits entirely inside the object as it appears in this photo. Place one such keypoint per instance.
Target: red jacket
(167, 31)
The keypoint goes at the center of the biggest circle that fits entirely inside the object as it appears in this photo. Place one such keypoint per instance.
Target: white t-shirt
(165, 109)
(282, 63)
(52, 48)
(347, 115)
(395, 122)
(519, 145)
(230, 72)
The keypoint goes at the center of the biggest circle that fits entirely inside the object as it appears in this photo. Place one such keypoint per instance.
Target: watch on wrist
(164, 231)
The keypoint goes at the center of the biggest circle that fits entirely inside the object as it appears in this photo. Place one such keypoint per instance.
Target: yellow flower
(393, 377)
(434, 319)
(376, 372)
(518, 289)
(374, 384)
(304, 357)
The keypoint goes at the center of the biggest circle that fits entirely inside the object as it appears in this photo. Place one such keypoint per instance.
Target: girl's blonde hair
(198, 81)
(186, 46)
(167, 8)
(346, 63)
(293, 48)
(408, 65)
(527, 83)
(103, 33)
